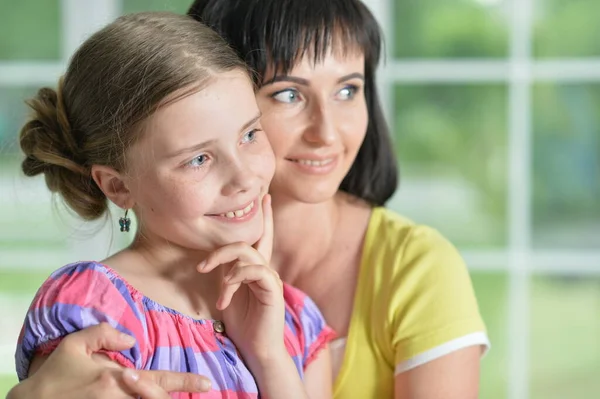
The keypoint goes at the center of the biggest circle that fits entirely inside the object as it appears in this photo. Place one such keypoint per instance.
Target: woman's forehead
(335, 58)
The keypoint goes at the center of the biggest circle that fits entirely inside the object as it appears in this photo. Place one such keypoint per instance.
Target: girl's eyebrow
(193, 148)
(251, 122)
(199, 146)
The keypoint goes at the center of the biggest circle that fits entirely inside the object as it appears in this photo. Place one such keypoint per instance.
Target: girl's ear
(113, 186)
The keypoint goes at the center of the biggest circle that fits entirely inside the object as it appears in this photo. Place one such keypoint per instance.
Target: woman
(397, 293)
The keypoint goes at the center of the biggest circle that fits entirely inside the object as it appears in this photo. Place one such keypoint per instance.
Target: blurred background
(495, 110)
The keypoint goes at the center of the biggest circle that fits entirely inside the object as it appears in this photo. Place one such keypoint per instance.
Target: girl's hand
(251, 295)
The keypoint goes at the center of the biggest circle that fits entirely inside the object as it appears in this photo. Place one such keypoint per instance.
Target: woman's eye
(250, 136)
(287, 96)
(347, 93)
(198, 161)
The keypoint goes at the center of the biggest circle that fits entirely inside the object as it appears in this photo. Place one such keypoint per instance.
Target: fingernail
(131, 374)
(201, 265)
(203, 385)
(127, 339)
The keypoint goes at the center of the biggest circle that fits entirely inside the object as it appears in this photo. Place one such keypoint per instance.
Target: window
(494, 108)
(494, 105)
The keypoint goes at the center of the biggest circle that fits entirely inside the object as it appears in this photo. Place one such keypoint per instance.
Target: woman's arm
(453, 376)
(73, 371)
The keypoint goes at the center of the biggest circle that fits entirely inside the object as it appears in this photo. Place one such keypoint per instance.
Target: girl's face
(316, 120)
(199, 172)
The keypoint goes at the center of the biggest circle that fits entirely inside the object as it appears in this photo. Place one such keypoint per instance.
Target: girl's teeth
(239, 213)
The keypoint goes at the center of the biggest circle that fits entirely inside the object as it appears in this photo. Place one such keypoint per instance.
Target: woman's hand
(73, 371)
(251, 294)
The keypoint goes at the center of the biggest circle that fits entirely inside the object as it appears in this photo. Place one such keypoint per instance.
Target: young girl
(158, 116)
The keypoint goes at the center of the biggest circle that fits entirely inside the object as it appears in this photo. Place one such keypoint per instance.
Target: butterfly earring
(125, 222)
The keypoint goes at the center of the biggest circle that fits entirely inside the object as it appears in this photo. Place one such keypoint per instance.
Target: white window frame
(519, 71)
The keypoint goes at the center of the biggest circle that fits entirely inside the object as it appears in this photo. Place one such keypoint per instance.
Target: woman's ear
(113, 186)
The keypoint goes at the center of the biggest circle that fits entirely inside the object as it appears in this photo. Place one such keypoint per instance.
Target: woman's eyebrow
(305, 82)
(355, 75)
(287, 78)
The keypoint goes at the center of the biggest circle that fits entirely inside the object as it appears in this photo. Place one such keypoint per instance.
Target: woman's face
(316, 119)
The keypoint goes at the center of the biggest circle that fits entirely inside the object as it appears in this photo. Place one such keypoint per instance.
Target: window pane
(13, 112)
(491, 290)
(450, 28)
(179, 6)
(24, 35)
(566, 165)
(566, 28)
(451, 143)
(565, 338)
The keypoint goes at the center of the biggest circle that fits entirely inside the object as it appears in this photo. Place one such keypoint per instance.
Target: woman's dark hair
(276, 34)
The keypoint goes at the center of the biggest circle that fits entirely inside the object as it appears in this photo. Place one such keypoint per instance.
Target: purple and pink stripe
(83, 294)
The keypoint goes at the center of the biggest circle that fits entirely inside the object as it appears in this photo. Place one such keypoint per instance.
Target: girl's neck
(165, 258)
(167, 274)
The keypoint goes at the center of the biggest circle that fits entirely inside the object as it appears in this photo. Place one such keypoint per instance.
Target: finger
(227, 294)
(265, 244)
(146, 389)
(111, 384)
(238, 251)
(245, 274)
(155, 383)
(95, 338)
(264, 277)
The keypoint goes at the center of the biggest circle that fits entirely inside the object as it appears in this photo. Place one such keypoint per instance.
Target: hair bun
(50, 148)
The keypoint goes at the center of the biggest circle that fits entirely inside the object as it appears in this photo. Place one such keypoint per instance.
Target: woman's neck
(304, 234)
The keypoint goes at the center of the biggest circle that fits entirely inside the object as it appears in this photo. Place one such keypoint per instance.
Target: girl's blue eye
(198, 161)
(250, 136)
(287, 96)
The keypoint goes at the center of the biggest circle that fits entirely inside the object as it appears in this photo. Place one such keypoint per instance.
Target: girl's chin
(249, 239)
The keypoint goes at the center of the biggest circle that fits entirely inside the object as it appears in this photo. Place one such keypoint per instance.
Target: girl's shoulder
(306, 332)
(81, 279)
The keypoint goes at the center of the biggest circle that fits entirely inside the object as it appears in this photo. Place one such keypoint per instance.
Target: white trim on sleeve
(478, 338)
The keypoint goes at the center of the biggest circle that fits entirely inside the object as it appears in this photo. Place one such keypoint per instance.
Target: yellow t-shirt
(414, 302)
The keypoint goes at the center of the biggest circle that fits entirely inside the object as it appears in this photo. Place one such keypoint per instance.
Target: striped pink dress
(83, 294)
